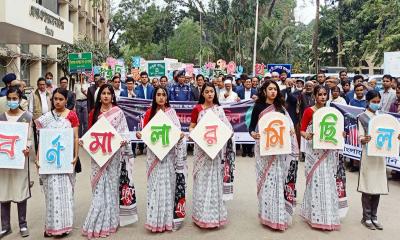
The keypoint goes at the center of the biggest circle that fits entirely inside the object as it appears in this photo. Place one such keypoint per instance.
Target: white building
(32, 30)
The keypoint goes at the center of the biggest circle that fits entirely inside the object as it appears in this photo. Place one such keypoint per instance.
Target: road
(242, 211)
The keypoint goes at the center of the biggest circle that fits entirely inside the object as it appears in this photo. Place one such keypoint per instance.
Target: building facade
(33, 30)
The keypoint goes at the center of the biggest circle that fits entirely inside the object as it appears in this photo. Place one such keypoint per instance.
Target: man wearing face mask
(39, 104)
(50, 86)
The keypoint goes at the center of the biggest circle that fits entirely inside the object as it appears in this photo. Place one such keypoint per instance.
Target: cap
(9, 77)
(228, 81)
(180, 73)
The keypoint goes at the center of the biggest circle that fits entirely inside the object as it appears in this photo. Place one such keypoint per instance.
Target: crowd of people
(114, 200)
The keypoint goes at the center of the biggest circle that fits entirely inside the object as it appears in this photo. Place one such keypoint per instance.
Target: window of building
(44, 50)
(44, 68)
(24, 48)
(3, 69)
(25, 72)
(378, 71)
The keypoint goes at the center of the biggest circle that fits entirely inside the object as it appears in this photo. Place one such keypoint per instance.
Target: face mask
(374, 106)
(49, 81)
(13, 104)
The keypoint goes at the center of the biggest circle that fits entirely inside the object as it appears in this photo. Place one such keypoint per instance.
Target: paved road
(243, 222)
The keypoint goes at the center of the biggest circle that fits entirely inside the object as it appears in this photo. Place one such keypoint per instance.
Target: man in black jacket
(197, 89)
(92, 90)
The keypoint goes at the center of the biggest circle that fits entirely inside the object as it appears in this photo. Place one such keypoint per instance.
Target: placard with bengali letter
(274, 129)
(328, 128)
(101, 141)
(56, 151)
(211, 134)
(13, 140)
(160, 135)
(384, 130)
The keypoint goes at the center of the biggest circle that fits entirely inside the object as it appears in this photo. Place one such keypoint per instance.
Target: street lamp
(255, 40)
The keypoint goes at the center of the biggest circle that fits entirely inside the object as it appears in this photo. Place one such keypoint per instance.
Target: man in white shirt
(388, 95)
(81, 91)
(39, 104)
(116, 83)
(228, 96)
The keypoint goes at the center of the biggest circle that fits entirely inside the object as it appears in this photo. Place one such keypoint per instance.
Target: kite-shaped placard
(211, 134)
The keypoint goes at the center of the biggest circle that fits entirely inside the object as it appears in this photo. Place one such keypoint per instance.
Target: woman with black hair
(59, 188)
(276, 174)
(165, 177)
(114, 198)
(323, 205)
(212, 178)
(372, 180)
(15, 182)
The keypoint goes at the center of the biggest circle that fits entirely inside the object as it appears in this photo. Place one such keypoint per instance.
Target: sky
(304, 12)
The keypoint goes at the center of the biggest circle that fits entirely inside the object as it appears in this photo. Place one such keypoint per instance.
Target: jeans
(5, 215)
(82, 112)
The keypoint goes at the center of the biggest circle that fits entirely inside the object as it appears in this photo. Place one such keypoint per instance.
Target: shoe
(24, 232)
(4, 233)
(251, 155)
(46, 235)
(243, 154)
(140, 152)
(368, 224)
(377, 224)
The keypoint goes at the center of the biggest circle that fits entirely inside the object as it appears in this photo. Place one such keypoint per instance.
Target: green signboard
(80, 62)
(156, 69)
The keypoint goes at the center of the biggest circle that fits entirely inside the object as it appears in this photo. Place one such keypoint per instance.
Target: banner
(239, 114)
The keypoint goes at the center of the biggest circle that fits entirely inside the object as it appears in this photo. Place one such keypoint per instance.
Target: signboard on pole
(279, 68)
(80, 62)
(156, 68)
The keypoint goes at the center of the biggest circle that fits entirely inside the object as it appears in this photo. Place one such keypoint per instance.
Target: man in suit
(247, 92)
(197, 89)
(130, 88)
(145, 90)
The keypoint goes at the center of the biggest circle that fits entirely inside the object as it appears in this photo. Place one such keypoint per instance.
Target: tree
(184, 44)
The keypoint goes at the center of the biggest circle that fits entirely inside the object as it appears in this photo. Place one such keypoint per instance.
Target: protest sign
(56, 151)
(160, 135)
(101, 141)
(384, 130)
(211, 134)
(274, 129)
(13, 140)
(328, 128)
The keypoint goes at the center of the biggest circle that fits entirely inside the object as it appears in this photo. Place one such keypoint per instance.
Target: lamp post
(255, 40)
